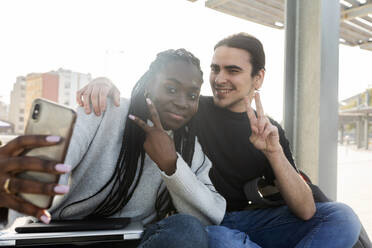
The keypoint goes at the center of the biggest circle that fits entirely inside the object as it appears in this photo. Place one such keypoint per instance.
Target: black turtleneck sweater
(224, 136)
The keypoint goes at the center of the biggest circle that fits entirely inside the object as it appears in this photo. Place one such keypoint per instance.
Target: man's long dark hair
(128, 170)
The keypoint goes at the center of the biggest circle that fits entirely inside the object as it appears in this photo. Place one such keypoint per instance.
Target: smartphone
(47, 118)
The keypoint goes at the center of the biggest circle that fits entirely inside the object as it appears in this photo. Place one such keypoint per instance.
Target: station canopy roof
(355, 19)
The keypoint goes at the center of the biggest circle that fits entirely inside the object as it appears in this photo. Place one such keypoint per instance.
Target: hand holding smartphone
(13, 163)
(47, 118)
(29, 169)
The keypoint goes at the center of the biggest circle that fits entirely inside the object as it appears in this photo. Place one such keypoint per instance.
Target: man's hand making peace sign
(265, 136)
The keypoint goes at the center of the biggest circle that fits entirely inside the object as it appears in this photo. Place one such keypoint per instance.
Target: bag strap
(258, 197)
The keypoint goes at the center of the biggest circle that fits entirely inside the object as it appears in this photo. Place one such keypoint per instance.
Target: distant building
(355, 119)
(57, 86)
(6, 128)
(69, 83)
(356, 102)
(43, 85)
(17, 105)
(3, 111)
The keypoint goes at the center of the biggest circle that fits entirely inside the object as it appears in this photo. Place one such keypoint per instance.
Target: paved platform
(355, 182)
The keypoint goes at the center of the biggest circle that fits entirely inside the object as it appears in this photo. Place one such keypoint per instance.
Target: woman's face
(175, 93)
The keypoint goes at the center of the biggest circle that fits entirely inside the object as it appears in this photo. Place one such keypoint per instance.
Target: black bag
(261, 194)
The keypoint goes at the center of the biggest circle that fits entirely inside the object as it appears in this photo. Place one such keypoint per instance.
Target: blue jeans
(176, 231)
(333, 225)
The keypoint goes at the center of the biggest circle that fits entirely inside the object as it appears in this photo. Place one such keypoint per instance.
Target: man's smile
(222, 91)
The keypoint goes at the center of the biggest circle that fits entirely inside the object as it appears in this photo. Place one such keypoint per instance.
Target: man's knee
(224, 237)
(340, 214)
(184, 224)
(179, 230)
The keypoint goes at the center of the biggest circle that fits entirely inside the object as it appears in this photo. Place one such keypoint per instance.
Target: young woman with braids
(143, 161)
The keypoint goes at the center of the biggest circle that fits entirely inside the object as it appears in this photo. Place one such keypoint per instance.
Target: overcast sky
(119, 39)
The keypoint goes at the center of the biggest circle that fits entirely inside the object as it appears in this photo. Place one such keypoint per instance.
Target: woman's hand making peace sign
(265, 136)
(158, 145)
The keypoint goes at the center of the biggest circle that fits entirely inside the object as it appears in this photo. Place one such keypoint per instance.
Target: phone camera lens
(35, 113)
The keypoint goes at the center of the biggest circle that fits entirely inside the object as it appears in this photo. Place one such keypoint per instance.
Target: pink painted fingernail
(45, 219)
(63, 167)
(148, 100)
(61, 189)
(131, 117)
(53, 138)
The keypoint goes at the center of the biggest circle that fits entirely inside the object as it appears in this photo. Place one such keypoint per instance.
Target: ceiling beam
(362, 33)
(246, 16)
(361, 24)
(265, 7)
(215, 3)
(366, 46)
(356, 12)
(353, 31)
(354, 3)
(271, 14)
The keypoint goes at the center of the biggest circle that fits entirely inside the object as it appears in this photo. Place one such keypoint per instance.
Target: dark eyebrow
(173, 80)
(229, 67)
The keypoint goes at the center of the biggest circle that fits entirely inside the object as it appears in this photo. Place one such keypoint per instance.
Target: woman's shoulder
(86, 125)
(114, 116)
(120, 110)
(112, 112)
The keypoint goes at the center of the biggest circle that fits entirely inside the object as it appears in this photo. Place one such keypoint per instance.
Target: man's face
(175, 94)
(231, 79)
